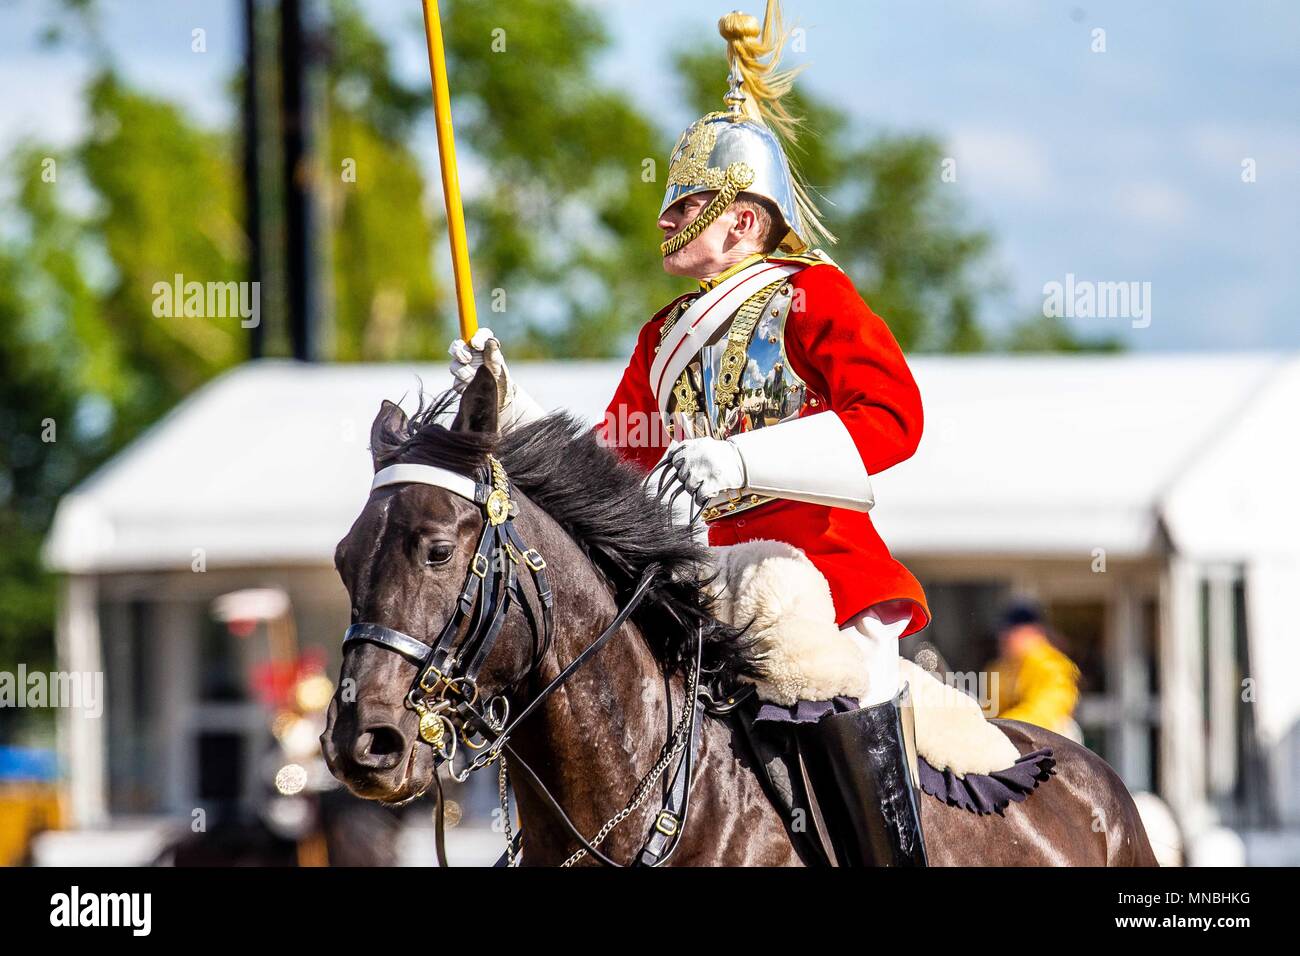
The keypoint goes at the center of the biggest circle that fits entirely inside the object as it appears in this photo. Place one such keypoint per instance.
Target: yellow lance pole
(450, 181)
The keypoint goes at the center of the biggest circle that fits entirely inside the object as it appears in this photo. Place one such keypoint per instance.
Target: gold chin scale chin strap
(738, 178)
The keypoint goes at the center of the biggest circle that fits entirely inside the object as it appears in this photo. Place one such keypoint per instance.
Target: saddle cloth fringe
(773, 588)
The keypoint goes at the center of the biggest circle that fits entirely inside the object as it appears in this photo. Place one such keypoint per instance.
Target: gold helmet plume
(743, 149)
(763, 83)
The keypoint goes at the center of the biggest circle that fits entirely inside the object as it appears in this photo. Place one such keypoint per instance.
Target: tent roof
(1068, 453)
(1024, 454)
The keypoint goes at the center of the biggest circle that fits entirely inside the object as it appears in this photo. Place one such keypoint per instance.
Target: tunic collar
(708, 284)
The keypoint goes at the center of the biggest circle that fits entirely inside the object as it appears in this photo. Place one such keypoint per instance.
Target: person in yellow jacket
(1036, 683)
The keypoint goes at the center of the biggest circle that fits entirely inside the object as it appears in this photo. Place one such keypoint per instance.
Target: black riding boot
(860, 767)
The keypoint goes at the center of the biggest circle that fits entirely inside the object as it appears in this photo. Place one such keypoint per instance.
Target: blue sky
(1123, 165)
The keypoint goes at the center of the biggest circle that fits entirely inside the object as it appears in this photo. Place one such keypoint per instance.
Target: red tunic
(852, 365)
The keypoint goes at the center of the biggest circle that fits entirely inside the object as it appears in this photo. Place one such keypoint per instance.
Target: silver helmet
(731, 153)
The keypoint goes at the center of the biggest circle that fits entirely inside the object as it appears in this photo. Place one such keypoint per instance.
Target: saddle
(773, 590)
(810, 671)
(787, 764)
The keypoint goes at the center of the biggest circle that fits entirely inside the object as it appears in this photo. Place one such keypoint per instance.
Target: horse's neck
(602, 729)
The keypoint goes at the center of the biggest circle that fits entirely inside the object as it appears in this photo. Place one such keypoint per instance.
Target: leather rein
(445, 693)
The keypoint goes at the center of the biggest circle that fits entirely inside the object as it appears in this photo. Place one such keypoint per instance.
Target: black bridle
(445, 692)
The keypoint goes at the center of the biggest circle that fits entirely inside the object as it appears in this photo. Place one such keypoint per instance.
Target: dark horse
(404, 562)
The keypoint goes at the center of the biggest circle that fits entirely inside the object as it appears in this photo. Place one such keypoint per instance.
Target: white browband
(458, 484)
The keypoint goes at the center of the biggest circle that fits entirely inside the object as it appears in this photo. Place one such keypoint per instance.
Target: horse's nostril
(386, 739)
(379, 747)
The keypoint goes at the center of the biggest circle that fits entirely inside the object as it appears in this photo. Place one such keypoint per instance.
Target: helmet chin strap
(738, 178)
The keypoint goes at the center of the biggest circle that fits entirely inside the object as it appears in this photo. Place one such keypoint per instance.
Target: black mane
(600, 501)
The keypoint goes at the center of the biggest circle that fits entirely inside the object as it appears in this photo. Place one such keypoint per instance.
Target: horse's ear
(389, 428)
(478, 404)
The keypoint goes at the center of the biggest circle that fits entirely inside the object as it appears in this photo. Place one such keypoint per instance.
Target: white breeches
(877, 631)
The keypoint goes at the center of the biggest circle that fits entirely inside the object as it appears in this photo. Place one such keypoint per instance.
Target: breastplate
(739, 381)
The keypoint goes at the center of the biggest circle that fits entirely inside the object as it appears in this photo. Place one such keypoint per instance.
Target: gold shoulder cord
(736, 354)
(804, 258)
(673, 316)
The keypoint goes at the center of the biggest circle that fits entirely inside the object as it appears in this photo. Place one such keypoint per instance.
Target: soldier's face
(709, 253)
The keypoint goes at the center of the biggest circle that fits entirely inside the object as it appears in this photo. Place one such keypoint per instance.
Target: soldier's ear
(747, 222)
(478, 404)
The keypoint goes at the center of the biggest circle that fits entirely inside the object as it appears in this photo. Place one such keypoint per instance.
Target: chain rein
(677, 743)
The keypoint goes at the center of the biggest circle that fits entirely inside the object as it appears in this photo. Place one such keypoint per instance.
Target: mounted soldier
(776, 393)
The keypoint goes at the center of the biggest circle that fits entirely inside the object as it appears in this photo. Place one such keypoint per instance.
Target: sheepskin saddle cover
(801, 653)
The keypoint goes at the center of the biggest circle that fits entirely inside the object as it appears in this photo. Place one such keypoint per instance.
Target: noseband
(446, 680)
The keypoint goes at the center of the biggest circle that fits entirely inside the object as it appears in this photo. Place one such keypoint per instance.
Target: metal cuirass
(741, 380)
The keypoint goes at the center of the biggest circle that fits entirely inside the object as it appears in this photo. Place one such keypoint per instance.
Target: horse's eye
(440, 552)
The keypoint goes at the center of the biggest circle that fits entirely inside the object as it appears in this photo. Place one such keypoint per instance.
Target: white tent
(1034, 454)
(266, 465)
(1060, 454)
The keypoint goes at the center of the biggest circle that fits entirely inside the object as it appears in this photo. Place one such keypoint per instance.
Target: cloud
(1221, 147)
(1155, 203)
(49, 109)
(1001, 162)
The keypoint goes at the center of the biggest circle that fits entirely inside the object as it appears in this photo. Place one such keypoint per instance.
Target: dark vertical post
(298, 125)
(252, 169)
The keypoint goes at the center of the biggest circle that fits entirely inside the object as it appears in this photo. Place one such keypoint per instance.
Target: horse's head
(404, 563)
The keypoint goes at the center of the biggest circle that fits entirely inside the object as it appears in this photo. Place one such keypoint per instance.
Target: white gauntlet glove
(707, 467)
(811, 459)
(517, 406)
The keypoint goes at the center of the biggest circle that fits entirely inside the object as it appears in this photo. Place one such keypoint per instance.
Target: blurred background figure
(29, 800)
(301, 817)
(1036, 682)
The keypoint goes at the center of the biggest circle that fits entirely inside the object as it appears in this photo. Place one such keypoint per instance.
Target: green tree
(42, 454)
(54, 430)
(565, 227)
(903, 235)
(1039, 333)
(85, 363)
(386, 303)
(166, 205)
